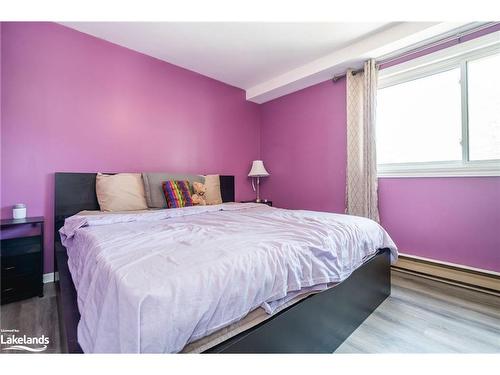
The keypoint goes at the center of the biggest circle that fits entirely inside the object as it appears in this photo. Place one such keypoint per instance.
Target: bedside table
(263, 201)
(21, 261)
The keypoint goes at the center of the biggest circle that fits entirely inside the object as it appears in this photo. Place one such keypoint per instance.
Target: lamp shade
(258, 169)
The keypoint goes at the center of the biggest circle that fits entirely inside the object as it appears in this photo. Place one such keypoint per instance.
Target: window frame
(457, 56)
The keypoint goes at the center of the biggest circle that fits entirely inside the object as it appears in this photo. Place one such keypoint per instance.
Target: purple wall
(303, 142)
(72, 102)
(303, 145)
(453, 219)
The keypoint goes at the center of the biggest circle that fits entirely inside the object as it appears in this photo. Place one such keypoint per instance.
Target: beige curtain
(361, 190)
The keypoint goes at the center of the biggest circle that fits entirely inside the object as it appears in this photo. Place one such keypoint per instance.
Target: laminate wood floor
(427, 316)
(34, 317)
(420, 316)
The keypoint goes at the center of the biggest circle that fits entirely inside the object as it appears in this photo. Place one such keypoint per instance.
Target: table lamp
(258, 170)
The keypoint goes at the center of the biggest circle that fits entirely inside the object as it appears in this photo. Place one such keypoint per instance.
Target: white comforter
(155, 281)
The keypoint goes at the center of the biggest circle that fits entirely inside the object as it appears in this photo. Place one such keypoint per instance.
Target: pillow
(177, 193)
(120, 192)
(212, 183)
(155, 197)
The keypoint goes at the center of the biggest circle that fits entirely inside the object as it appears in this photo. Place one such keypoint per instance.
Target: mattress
(254, 318)
(186, 279)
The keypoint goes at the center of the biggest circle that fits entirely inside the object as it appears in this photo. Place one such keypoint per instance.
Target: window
(484, 108)
(420, 120)
(440, 115)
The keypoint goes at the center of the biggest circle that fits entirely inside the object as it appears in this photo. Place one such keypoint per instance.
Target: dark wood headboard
(75, 192)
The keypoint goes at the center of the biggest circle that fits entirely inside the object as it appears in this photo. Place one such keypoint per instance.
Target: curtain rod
(458, 36)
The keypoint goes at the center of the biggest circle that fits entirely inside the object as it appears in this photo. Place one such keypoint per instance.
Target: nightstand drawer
(19, 265)
(20, 246)
(16, 288)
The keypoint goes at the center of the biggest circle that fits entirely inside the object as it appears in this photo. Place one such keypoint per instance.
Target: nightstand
(263, 201)
(21, 260)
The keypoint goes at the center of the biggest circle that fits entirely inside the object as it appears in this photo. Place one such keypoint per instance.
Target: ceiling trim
(382, 43)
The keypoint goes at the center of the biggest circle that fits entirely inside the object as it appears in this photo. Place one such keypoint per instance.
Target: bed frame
(316, 324)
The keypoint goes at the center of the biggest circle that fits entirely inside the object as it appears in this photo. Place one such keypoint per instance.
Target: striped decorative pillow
(177, 193)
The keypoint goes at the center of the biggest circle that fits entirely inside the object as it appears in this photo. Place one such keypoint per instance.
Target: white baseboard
(453, 265)
(49, 277)
(467, 276)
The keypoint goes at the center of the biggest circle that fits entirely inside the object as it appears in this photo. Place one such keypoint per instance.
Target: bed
(231, 278)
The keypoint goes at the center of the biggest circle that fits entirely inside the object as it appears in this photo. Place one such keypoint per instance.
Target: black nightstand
(21, 261)
(263, 201)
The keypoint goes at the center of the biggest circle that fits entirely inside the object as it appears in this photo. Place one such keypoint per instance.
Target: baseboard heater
(472, 278)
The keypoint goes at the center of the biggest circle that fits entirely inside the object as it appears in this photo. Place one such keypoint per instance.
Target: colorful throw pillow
(177, 193)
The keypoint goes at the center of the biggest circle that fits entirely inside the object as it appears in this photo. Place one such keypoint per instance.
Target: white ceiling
(240, 54)
(265, 59)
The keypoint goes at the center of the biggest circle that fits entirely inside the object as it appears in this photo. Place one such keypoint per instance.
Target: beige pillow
(120, 192)
(212, 183)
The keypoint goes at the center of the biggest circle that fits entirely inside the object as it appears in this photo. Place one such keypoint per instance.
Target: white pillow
(212, 183)
(120, 192)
